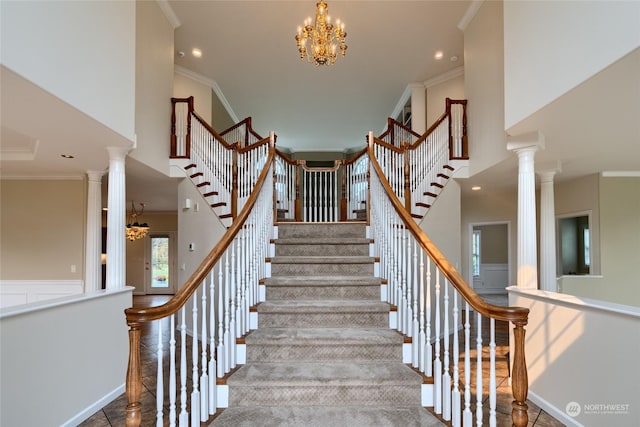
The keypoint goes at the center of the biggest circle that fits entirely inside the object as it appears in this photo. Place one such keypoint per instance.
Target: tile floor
(113, 413)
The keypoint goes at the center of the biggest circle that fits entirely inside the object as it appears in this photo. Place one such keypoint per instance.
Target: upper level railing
(438, 309)
(227, 171)
(321, 194)
(417, 166)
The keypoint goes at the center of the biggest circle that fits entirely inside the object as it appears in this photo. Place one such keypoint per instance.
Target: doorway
(160, 254)
(490, 257)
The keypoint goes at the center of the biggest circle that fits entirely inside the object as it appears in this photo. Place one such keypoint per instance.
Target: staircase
(323, 353)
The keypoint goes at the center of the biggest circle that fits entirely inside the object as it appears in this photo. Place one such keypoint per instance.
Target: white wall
(484, 87)
(555, 45)
(582, 351)
(90, 45)
(191, 224)
(185, 86)
(438, 93)
(154, 86)
(63, 361)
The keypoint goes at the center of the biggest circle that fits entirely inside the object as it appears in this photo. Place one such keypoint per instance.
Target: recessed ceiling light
(196, 52)
(454, 58)
(67, 156)
(438, 55)
(476, 188)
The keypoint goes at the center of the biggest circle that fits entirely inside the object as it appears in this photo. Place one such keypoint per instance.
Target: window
(574, 245)
(475, 252)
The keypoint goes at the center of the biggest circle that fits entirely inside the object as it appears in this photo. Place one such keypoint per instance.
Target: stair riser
(365, 395)
(323, 353)
(323, 320)
(286, 231)
(321, 269)
(323, 292)
(323, 250)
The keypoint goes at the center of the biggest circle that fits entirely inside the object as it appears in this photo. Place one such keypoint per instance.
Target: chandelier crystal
(135, 230)
(319, 43)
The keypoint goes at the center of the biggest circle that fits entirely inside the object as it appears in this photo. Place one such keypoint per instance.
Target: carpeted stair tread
(322, 306)
(336, 281)
(324, 336)
(324, 241)
(292, 259)
(327, 416)
(311, 230)
(324, 375)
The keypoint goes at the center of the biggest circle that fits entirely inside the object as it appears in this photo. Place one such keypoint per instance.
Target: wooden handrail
(285, 158)
(217, 136)
(517, 315)
(335, 167)
(247, 123)
(137, 316)
(356, 157)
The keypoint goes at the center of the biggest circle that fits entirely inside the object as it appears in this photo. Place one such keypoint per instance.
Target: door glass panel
(160, 262)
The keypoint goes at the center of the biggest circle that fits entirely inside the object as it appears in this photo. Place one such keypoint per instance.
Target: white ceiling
(249, 50)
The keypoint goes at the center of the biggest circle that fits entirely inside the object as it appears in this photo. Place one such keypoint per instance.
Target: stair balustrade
(438, 309)
(224, 172)
(417, 167)
(198, 328)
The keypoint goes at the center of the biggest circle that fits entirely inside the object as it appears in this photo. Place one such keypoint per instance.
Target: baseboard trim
(95, 407)
(552, 410)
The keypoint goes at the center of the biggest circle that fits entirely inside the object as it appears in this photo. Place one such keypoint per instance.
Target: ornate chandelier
(135, 230)
(320, 42)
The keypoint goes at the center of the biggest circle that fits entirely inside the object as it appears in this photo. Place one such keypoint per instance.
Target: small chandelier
(135, 230)
(320, 42)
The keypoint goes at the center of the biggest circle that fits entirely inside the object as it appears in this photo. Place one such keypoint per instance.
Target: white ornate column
(547, 231)
(93, 243)
(116, 217)
(418, 108)
(525, 146)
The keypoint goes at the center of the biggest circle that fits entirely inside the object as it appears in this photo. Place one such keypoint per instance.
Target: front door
(159, 264)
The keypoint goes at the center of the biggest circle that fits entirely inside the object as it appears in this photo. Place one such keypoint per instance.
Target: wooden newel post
(187, 138)
(134, 378)
(519, 378)
(343, 200)
(298, 201)
(174, 137)
(407, 176)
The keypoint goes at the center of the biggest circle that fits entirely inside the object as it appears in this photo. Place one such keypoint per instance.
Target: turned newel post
(134, 378)
(187, 138)
(298, 202)
(343, 200)
(519, 378)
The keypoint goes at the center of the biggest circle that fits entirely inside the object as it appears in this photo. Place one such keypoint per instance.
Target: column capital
(548, 170)
(116, 153)
(526, 142)
(95, 175)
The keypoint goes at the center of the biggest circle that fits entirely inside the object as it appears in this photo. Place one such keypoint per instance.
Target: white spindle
(184, 415)
(415, 336)
(204, 376)
(479, 370)
(232, 308)
(492, 373)
(422, 340)
(212, 345)
(455, 395)
(446, 377)
(195, 392)
(437, 364)
(172, 371)
(160, 379)
(221, 350)
(227, 315)
(428, 348)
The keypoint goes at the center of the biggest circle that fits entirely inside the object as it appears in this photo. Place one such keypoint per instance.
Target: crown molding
(210, 83)
(452, 74)
(620, 174)
(168, 12)
(42, 177)
(469, 14)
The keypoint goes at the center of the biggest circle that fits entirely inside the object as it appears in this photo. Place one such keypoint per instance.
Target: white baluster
(437, 364)
(492, 373)
(422, 340)
(232, 308)
(455, 396)
(184, 415)
(172, 371)
(160, 379)
(467, 417)
(227, 315)
(415, 333)
(221, 351)
(195, 393)
(446, 376)
(212, 346)
(479, 371)
(428, 352)
(204, 377)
